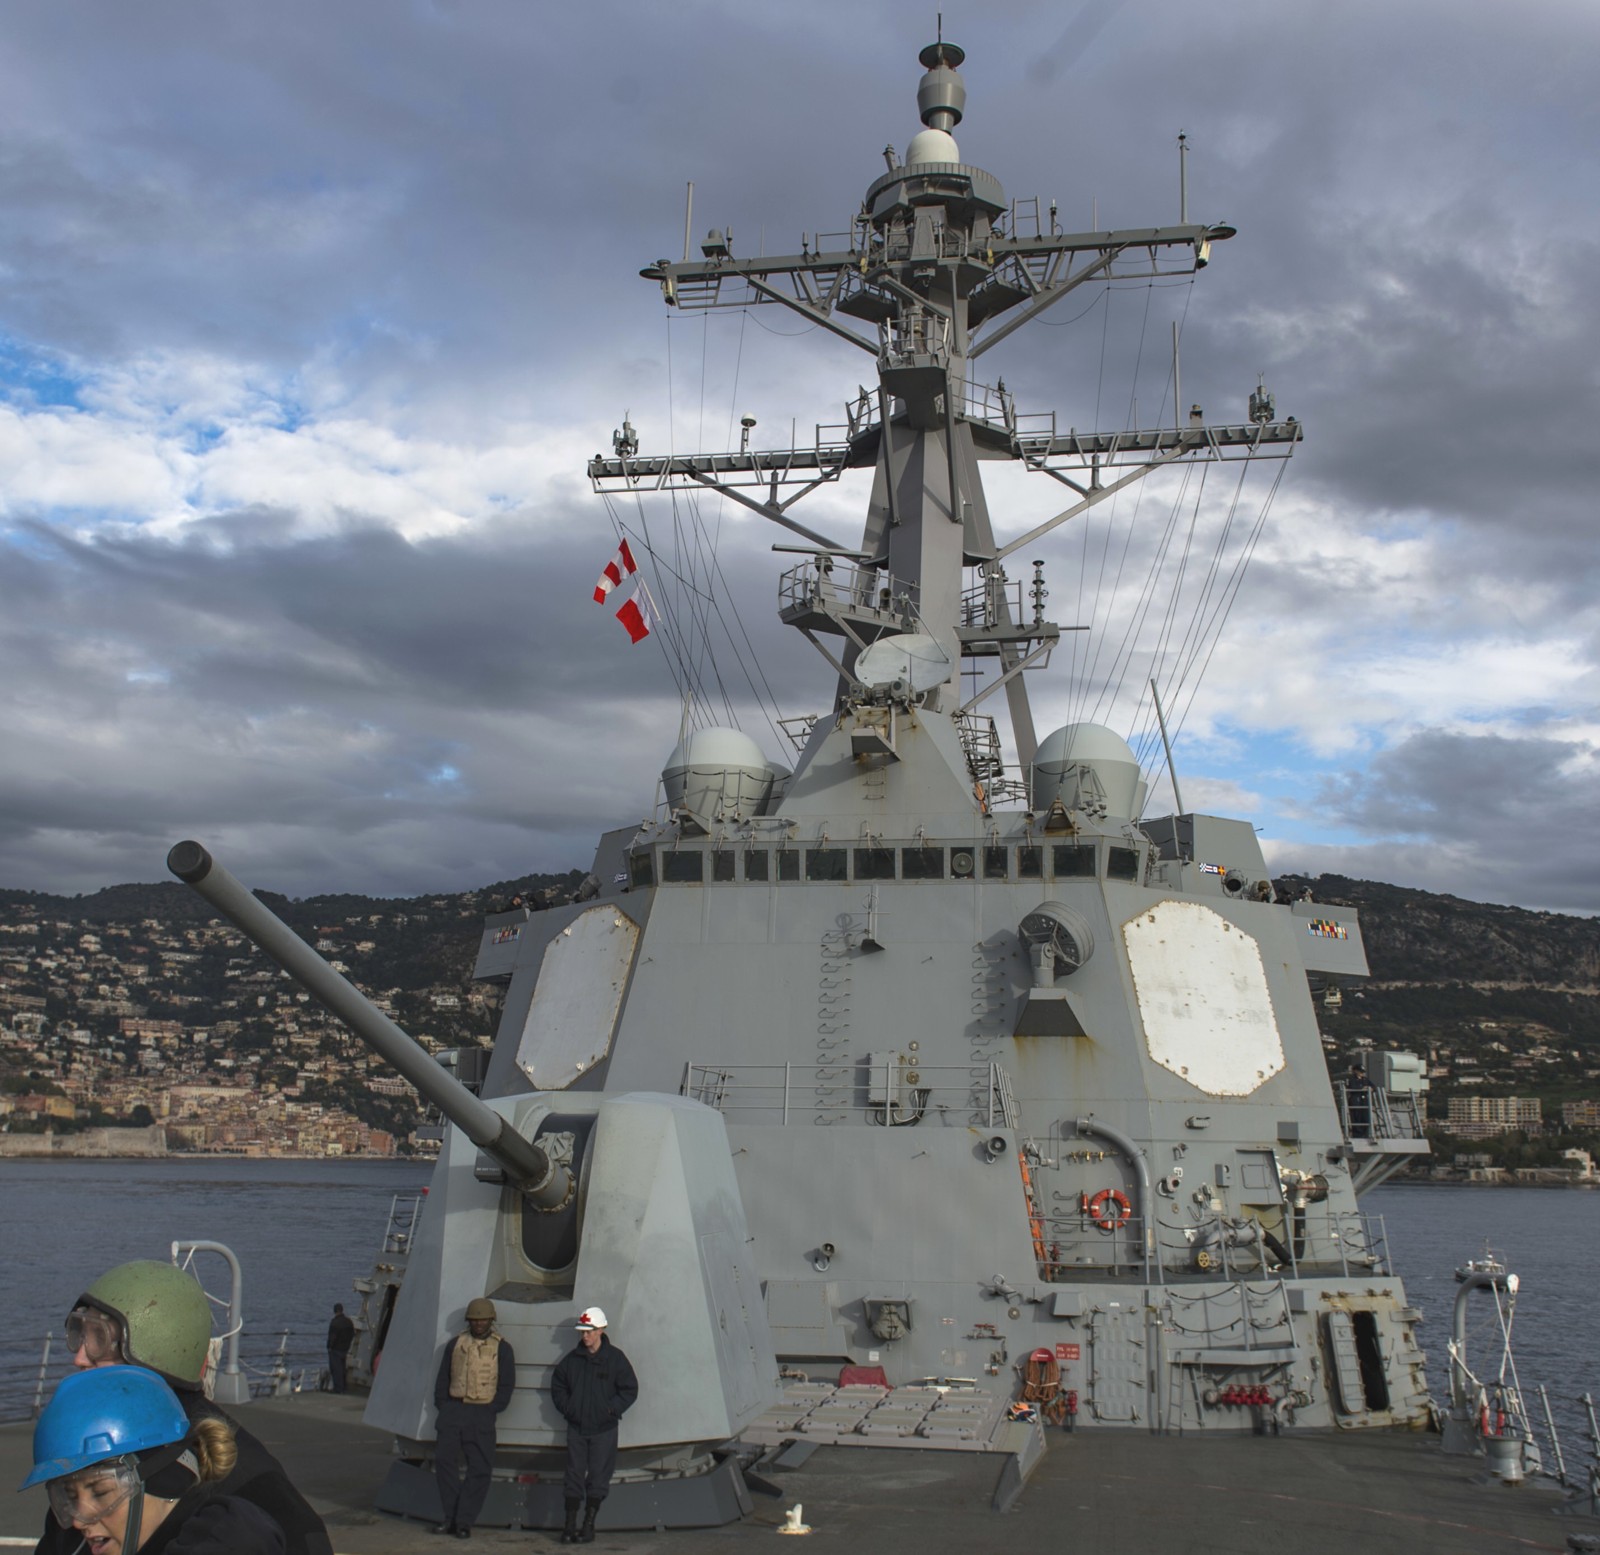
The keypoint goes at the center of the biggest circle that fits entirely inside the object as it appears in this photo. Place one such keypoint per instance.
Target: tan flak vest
(475, 1369)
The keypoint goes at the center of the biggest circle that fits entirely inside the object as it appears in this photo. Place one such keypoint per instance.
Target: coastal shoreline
(1482, 1182)
(150, 1144)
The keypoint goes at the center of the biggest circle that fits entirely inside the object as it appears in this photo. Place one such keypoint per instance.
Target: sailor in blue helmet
(156, 1316)
(126, 1471)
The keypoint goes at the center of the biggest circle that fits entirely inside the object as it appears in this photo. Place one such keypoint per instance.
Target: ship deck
(1117, 1493)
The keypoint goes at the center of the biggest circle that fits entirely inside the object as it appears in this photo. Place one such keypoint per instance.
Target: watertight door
(1350, 1396)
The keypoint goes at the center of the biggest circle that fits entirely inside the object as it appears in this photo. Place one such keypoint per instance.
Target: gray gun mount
(624, 1201)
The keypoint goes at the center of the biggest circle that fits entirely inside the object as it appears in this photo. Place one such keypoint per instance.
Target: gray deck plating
(1375, 1493)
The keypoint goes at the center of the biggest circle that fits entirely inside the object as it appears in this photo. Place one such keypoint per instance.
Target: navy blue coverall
(592, 1392)
(466, 1436)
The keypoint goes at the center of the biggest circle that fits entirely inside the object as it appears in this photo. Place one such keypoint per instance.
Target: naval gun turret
(630, 1197)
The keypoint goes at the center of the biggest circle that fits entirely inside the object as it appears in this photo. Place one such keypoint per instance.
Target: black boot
(569, 1534)
(586, 1533)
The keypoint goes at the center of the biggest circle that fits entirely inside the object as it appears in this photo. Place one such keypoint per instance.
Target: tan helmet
(591, 1317)
(480, 1308)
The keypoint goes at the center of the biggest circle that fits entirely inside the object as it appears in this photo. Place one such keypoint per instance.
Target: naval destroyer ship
(931, 1094)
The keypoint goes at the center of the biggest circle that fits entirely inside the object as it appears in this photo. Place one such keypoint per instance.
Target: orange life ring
(1109, 1209)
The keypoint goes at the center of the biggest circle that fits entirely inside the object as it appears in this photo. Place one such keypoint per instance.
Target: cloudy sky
(311, 315)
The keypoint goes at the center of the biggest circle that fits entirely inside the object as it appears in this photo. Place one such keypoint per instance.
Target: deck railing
(853, 1091)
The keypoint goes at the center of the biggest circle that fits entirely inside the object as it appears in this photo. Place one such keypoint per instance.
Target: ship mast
(934, 260)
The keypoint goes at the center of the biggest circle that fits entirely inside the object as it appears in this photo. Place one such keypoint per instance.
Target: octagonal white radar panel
(1203, 998)
(573, 1015)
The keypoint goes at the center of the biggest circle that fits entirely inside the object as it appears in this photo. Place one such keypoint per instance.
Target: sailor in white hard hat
(593, 1386)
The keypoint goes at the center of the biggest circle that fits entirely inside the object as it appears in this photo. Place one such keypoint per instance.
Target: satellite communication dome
(1088, 767)
(911, 660)
(717, 773)
(932, 146)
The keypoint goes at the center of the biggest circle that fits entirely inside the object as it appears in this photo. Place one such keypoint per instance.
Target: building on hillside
(1477, 1117)
(1581, 1164)
(1580, 1114)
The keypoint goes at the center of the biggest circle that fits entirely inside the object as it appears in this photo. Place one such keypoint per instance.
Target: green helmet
(165, 1317)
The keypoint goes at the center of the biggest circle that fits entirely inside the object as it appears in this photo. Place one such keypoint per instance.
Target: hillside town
(150, 1037)
(131, 1023)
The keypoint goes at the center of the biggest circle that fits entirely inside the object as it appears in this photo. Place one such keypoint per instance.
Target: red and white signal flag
(621, 565)
(638, 613)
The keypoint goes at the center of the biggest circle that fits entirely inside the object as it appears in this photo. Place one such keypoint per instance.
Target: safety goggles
(93, 1494)
(96, 1334)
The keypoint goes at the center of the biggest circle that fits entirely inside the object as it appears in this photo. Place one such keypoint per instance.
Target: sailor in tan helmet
(475, 1380)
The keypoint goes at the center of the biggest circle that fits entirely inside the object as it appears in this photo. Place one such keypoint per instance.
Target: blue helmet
(103, 1413)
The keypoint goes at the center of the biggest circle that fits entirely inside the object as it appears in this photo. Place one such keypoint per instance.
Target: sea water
(303, 1230)
(1549, 1238)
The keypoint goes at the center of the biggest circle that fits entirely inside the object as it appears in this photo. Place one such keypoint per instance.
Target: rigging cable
(694, 568)
(1079, 701)
(671, 648)
(1194, 636)
(1231, 591)
(1106, 701)
(1169, 614)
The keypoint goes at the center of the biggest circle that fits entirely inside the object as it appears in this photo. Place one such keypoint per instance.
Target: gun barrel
(529, 1168)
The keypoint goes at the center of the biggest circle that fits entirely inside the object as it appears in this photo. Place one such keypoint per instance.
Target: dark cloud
(1490, 817)
(424, 222)
(355, 687)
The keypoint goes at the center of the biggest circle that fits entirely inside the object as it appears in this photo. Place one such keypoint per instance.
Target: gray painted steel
(922, 1058)
(1022, 1075)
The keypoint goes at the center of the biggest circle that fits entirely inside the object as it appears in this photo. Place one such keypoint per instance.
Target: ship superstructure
(869, 1096)
(1005, 1065)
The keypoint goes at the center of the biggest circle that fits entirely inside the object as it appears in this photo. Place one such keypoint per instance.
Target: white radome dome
(1067, 755)
(932, 146)
(718, 773)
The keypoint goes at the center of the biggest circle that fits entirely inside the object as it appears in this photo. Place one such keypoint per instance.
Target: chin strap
(130, 1537)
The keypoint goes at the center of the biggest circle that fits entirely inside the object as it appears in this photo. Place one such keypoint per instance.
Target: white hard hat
(591, 1317)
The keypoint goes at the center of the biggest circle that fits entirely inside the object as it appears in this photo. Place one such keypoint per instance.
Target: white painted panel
(573, 1013)
(1203, 998)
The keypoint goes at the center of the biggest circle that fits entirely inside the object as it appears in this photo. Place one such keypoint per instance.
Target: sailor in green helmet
(154, 1315)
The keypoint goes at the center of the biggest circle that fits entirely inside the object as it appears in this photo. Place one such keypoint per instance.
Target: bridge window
(755, 864)
(1030, 862)
(788, 863)
(922, 863)
(722, 864)
(1074, 860)
(827, 864)
(641, 871)
(996, 863)
(1122, 864)
(683, 868)
(874, 863)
